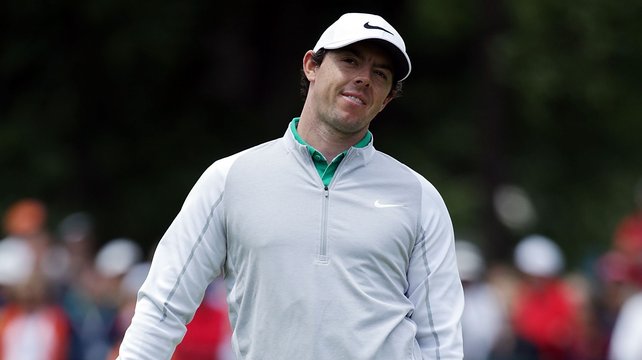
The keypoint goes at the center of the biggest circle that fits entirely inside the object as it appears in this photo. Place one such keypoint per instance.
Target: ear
(309, 66)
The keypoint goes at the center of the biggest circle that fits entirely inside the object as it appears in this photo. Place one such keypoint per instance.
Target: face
(350, 87)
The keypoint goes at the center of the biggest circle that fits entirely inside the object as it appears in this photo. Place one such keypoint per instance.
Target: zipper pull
(326, 193)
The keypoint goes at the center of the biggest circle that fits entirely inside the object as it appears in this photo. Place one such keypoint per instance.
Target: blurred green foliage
(116, 107)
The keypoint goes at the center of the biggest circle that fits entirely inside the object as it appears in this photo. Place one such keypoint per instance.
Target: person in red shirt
(208, 334)
(31, 326)
(543, 310)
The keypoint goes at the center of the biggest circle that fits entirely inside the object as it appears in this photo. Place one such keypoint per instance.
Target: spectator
(129, 286)
(621, 271)
(484, 320)
(31, 326)
(208, 334)
(625, 341)
(627, 238)
(543, 312)
(80, 295)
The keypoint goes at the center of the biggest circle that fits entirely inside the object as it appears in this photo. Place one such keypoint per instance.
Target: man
(329, 249)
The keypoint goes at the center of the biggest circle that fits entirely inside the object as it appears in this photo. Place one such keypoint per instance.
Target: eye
(381, 74)
(349, 60)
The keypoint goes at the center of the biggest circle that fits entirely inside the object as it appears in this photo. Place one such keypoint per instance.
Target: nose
(363, 81)
(363, 77)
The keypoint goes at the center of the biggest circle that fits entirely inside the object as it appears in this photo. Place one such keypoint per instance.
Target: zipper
(322, 257)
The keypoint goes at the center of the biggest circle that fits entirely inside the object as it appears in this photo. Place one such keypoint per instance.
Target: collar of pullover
(361, 150)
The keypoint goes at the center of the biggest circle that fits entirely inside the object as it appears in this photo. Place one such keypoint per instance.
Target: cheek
(382, 98)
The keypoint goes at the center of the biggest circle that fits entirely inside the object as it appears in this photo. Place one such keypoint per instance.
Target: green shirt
(326, 170)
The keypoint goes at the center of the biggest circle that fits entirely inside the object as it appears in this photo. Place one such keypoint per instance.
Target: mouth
(353, 98)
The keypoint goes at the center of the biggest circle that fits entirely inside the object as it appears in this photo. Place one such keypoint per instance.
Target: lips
(354, 98)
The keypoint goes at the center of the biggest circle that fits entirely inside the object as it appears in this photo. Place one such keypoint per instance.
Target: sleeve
(434, 286)
(189, 256)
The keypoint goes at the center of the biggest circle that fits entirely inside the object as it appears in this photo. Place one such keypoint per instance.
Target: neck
(325, 139)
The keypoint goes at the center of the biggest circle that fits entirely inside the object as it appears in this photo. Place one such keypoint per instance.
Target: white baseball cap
(17, 261)
(538, 255)
(353, 27)
(117, 256)
(470, 261)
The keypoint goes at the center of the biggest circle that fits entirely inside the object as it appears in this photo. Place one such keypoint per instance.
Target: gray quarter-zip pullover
(361, 269)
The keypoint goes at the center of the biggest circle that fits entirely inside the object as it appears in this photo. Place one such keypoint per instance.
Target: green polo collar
(326, 170)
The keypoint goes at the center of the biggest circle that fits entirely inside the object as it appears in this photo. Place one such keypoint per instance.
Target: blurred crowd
(534, 307)
(66, 295)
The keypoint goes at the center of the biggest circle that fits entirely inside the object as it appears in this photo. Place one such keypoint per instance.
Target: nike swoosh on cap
(368, 26)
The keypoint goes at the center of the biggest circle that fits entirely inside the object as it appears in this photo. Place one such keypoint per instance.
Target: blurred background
(524, 114)
(116, 107)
